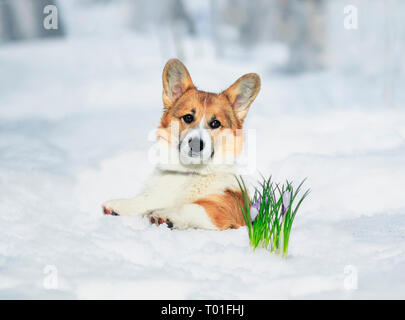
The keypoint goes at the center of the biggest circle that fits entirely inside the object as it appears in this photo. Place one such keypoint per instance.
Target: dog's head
(199, 129)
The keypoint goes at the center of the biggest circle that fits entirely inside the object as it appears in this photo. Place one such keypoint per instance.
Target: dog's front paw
(111, 208)
(159, 217)
(109, 211)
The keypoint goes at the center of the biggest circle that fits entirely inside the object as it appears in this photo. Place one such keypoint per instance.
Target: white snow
(75, 118)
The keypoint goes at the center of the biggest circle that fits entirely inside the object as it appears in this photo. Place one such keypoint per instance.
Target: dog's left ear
(176, 81)
(242, 93)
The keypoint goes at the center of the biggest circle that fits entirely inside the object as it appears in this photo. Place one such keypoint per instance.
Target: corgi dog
(199, 138)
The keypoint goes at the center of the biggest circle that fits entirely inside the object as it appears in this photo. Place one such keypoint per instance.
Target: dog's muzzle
(196, 147)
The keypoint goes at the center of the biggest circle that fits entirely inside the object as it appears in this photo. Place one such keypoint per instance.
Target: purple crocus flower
(254, 210)
(286, 202)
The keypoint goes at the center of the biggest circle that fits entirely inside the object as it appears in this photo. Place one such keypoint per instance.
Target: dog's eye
(215, 124)
(188, 118)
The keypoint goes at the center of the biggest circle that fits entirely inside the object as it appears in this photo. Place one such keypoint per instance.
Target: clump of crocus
(270, 213)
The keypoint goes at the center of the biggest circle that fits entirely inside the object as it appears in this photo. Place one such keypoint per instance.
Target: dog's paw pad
(109, 211)
(169, 224)
(158, 221)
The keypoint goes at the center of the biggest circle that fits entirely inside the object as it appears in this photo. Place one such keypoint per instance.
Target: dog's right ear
(176, 81)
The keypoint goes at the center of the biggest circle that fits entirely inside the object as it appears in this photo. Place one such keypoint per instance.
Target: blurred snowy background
(78, 103)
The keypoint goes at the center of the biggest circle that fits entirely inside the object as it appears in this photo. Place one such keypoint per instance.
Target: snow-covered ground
(75, 117)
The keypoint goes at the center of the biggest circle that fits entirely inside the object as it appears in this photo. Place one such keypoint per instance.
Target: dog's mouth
(198, 154)
(193, 154)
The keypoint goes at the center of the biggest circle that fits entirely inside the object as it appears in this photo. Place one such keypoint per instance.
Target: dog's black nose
(196, 144)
